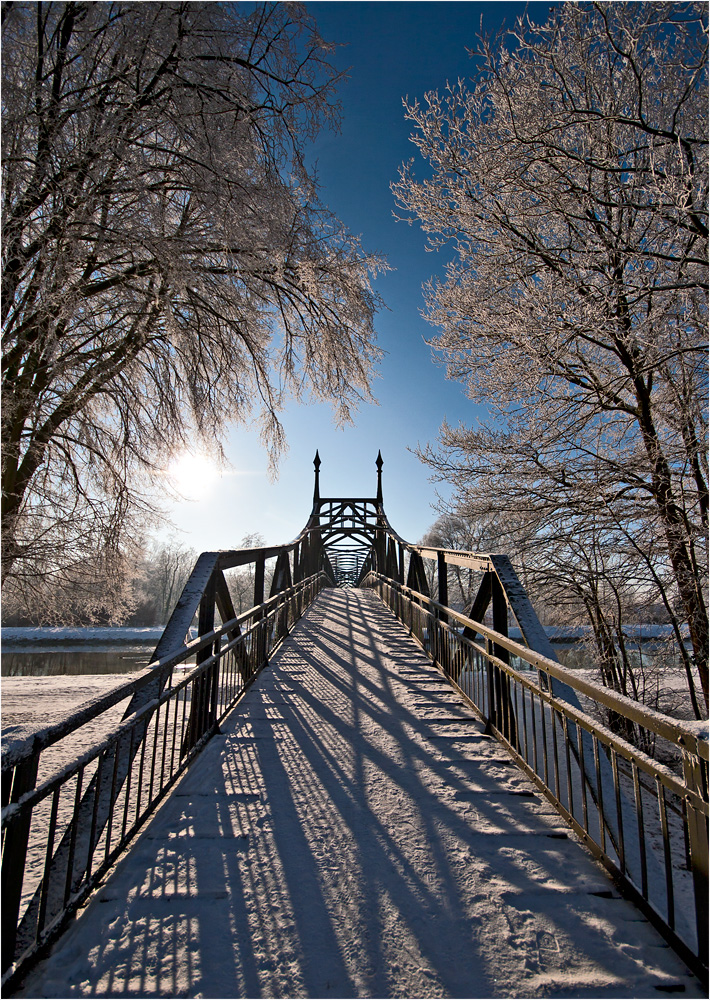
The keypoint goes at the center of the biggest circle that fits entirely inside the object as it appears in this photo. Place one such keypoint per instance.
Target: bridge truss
(646, 822)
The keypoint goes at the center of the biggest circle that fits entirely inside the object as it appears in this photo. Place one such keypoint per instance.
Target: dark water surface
(54, 662)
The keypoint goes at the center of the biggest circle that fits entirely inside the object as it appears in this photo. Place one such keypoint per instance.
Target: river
(51, 652)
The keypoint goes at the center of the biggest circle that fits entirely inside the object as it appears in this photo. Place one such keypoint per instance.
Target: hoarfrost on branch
(167, 264)
(570, 183)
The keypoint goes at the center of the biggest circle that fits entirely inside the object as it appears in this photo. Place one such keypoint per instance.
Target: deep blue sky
(390, 50)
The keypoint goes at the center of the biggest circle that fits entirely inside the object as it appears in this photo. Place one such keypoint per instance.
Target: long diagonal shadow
(335, 841)
(317, 773)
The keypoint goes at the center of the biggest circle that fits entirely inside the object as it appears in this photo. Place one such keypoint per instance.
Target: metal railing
(582, 744)
(61, 831)
(646, 821)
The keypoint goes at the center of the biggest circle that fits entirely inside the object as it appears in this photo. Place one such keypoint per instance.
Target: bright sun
(193, 476)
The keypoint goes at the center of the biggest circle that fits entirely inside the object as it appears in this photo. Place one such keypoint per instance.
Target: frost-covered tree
(241, 580)
(570, 179)
(167, 264)
(593, 572)
(166, 569)
(451, 530)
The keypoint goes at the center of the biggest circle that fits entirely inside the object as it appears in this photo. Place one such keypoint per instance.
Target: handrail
(87, 712)
(61, 834)
(590, 771)
(678, 731)
(40, 792)
(653, 839)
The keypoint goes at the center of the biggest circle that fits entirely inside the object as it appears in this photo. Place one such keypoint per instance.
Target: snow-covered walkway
(353, 833)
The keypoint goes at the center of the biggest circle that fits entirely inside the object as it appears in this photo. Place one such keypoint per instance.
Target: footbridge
(356, 789)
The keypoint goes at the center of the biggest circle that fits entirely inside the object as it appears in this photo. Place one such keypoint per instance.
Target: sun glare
(193, 476)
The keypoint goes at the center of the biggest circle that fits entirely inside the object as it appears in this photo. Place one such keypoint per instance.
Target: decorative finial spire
(316, 488)
(379, 463)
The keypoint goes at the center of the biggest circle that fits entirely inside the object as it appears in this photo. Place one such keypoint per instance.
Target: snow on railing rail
(63, 828)
(646, 820)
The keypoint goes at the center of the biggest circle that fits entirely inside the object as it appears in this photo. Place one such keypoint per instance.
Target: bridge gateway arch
(347, 577)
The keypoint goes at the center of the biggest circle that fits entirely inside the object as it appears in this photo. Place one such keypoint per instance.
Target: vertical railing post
(283, 617)
(381, 552)
(442, 574)
(205, 621)
(259, 574)
(14, 856)
(202, 687)
(214, 685)
(503, 711)
(261, 652)
(697, 826)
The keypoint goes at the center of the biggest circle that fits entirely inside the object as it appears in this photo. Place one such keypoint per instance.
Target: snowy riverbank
(352, 831)
(80, 638)
(28, 704)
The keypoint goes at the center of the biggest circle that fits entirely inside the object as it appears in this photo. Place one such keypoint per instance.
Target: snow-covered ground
(34, 702)
(29, 704)
(352, 832)
(43, 636)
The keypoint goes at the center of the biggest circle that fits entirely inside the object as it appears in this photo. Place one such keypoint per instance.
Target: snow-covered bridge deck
(353, 832)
